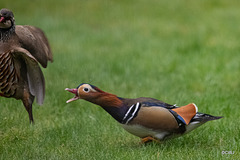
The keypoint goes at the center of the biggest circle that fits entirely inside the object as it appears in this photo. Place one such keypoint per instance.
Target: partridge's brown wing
(35, 76)
(34, 40)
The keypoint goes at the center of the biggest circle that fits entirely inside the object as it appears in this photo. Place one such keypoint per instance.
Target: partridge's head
(6, 18)
(85, 91)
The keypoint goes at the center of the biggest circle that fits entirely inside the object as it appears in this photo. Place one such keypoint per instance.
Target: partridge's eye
(86, 89)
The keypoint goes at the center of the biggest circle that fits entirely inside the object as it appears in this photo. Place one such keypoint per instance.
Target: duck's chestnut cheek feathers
(85, 91)
(80, 91)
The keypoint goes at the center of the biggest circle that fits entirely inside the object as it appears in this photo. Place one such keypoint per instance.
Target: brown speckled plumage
(22, 48)
(8, 77)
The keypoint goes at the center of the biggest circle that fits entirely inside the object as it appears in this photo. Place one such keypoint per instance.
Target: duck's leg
(149, 139)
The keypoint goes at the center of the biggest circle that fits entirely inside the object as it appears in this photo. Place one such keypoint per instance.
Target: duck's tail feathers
(202, 117)
(199, 119)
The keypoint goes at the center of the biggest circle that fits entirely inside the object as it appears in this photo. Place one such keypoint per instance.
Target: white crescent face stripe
(136, 108)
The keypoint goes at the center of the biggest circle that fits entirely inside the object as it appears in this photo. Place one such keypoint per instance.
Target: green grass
(178, 52)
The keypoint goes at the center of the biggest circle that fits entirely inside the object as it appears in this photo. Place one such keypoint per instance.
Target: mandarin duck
(22, 48)
(148, 118)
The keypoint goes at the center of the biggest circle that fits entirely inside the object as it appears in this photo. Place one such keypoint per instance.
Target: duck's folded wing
(156, 118)
(34, 74)
(34, 40)
(148, 102)
(156, 114)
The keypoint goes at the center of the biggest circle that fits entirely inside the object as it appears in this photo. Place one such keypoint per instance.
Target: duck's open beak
(74, 91)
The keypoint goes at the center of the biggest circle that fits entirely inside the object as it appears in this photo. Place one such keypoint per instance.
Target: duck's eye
(86, 89)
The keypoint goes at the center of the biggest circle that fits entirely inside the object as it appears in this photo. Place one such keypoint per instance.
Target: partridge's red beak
(74, 91)
(2, 19)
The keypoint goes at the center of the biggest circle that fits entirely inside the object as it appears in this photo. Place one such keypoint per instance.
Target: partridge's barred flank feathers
(147, 118)
(22, 48)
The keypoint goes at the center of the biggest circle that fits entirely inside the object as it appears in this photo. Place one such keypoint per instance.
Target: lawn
(176, 51)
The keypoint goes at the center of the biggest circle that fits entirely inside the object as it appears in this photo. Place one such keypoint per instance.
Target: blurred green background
(176, 51)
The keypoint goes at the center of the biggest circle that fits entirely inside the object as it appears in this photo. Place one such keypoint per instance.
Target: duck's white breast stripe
(128, 112)
(132, 115)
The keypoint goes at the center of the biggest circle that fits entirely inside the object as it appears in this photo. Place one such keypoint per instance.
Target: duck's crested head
(83, 91)
(93, 94)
